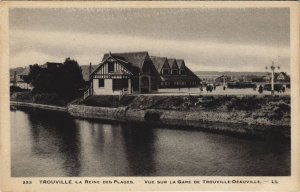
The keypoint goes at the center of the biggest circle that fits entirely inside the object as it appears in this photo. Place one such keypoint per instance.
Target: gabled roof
(172, 63)
(190, 73)
(158, 62)
(86, 71)
(25, 72)
(53, 63)
(133, 61)
(286, 77)
(180, 63)
(136, 59)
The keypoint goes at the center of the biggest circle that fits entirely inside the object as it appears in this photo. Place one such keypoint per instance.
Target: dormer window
(174, 71)
(111, 67)
(182, 72)
(165, 71)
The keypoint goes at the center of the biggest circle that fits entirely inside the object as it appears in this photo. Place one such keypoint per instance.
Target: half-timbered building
(120, 73)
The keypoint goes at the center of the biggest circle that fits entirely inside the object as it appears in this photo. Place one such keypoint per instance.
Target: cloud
(28, 47)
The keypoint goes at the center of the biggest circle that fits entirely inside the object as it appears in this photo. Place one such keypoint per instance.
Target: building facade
(137, 72)
(120, 73)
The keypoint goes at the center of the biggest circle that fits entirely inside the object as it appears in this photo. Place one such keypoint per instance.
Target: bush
(22, 96)
(49, 99)
(15, 89)
(245, 103)
(102, 101)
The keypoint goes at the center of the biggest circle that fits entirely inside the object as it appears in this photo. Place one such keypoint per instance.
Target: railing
(124, 91)
(87, 93)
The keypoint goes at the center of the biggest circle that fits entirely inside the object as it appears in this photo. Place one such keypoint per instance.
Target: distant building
(281, 77)
(223, 78)
(51, 65)
(208, 79)
(17, 80)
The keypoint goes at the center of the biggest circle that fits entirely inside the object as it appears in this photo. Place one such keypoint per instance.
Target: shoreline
(204, 121)
(38, 106)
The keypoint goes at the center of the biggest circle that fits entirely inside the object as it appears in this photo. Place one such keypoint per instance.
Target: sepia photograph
(148, 92)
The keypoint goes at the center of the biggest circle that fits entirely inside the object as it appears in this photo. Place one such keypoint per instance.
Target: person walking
(260, 89)
(283, 89)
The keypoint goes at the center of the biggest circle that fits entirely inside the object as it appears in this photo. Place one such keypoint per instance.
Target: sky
(208, 39)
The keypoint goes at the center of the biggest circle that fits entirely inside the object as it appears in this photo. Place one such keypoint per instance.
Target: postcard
(149, 96)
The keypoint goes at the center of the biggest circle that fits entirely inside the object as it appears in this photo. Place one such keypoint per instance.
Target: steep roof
(158, 62)
(180, 63)
(285, 76)
(171, 62)
(135, 59)
(179, 78)
(25, 71)
(192, 74)
(86, 71)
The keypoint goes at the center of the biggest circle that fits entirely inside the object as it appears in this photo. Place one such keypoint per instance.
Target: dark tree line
(65, 79)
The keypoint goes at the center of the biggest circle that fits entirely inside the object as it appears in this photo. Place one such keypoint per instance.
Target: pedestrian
(283, 89)
(260, 89)
(224, 87)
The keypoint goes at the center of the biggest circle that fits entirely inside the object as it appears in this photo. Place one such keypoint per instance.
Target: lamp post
(272, 67)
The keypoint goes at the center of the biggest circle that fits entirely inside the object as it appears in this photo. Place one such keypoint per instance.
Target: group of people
(210, 88)
(280, 89)
(261, 88)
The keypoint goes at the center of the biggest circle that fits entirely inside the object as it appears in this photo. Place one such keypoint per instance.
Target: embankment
(37, 106)
(264, 116)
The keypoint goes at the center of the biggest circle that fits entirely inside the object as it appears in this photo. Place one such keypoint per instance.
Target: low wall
(229, 122)
(232, 123)
(38, 106)
(105, 113)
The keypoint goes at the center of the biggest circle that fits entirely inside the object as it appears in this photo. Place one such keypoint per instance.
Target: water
(54, 144)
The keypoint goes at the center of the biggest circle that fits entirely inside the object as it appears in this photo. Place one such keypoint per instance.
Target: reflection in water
(48, 143)
(59, 135)
(141, 139)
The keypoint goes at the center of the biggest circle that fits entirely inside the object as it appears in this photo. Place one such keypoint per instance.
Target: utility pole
(272, 67)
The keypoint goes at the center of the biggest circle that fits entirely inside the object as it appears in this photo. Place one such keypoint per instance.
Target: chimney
(90, 69)
(15, 79)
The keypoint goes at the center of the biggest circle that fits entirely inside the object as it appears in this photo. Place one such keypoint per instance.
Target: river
(52, 144)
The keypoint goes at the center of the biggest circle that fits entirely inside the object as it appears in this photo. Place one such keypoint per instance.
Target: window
(175, 72)
(182, 71)
(100, 82)
(165, 71)
(111, 67)
(119, 84)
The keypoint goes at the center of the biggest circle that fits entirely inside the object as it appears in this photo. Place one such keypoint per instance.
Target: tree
(72, 79)
(65, 79)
